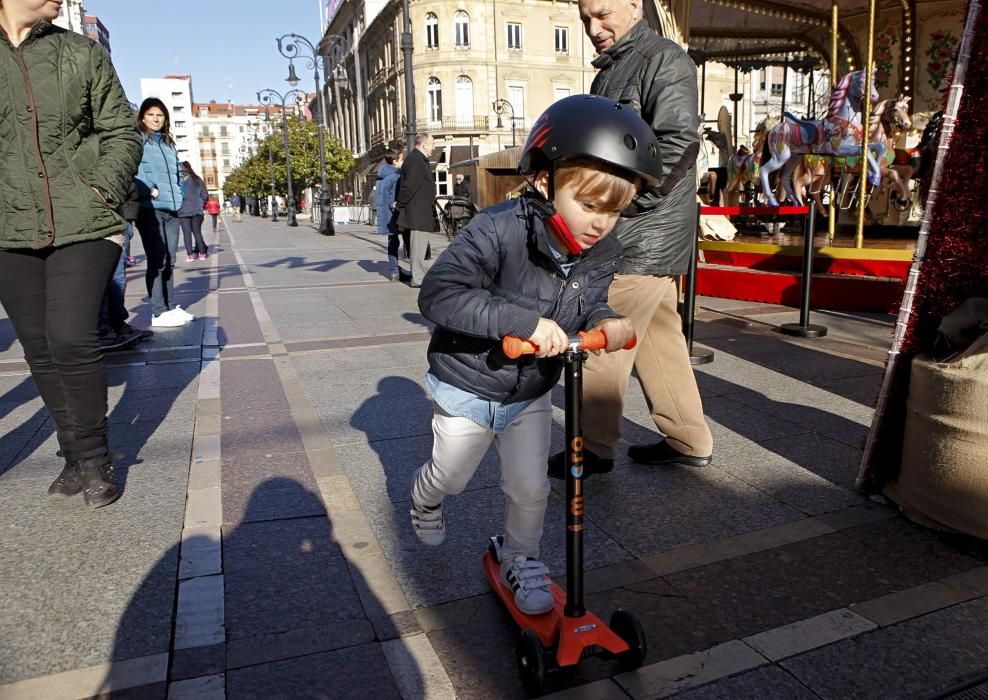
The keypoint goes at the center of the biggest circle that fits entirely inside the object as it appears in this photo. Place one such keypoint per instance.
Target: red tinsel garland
(955, 267)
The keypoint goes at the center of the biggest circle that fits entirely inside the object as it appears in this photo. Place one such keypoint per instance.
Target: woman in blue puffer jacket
(386, 190)
(160, 194)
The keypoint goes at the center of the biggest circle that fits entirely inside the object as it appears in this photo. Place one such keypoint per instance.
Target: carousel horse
(742, 167)
(839, 133)
(890, 118)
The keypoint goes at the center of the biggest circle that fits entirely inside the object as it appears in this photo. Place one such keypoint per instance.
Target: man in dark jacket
(656, 77)
(416, 205)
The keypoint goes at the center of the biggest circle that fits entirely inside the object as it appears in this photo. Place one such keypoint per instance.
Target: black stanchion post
(699, 356)
(805, 329)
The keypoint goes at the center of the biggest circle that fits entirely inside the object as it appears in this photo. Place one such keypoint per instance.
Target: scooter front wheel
(625, 625)
(531, 662)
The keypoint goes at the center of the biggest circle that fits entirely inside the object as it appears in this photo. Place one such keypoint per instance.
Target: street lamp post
(499, 107)
(290, 49)
(274, 200)
(268, 96)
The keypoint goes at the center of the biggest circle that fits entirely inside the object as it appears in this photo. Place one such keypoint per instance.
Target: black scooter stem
(574, 482)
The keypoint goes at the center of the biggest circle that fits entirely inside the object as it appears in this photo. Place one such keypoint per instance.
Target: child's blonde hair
(612, 187)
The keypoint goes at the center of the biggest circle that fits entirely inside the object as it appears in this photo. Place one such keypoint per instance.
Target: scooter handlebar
(514, 347)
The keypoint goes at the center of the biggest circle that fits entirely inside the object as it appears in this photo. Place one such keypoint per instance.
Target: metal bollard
(805, 329)
(699, 356)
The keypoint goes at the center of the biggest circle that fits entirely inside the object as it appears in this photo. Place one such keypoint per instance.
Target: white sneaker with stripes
(530, 581)
(428, 523)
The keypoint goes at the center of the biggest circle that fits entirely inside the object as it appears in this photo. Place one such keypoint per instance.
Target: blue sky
(227, 46)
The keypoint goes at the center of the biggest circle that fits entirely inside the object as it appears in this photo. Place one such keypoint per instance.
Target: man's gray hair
(421, 137)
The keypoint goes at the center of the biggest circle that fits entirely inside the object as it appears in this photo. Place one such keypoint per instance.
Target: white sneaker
(428, 524)
(168, 319)
(182, 313)
(530, 581)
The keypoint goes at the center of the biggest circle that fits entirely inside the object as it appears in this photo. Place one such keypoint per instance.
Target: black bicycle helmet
(595, 126)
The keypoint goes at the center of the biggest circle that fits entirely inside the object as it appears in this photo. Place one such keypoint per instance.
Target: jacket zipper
(49, 209)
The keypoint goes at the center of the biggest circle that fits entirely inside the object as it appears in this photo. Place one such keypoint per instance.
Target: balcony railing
(454, 125)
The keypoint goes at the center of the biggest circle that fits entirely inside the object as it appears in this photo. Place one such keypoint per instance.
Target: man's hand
(549, 339)
(619, 332)
(154, 193)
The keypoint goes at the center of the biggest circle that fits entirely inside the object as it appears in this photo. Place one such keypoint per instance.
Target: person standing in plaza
(416, 205)
(190, 216)
(67, 153)
(213, 209)
(159, 193)
(235, 206)
(656, 77)
(386, 190)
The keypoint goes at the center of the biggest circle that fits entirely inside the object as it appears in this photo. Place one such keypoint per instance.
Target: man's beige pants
(662, 363)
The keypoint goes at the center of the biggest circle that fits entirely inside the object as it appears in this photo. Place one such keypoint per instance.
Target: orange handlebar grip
(593, 340)
(514, 348)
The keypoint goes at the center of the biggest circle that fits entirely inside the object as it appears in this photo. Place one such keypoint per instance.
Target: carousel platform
(845, 278)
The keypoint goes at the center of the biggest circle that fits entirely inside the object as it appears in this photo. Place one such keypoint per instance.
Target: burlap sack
(944, 478)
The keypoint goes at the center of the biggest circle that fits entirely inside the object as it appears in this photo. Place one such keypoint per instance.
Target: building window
(431, 31)
(462, 23)
(516, 96)
(776, 89)
(225, 148)
(442, 183)
(464, 102)
(434, 90)
(223, 130)
(179, 124)
(559, 93)
(514, 35)
(562, 40)
(226, 162)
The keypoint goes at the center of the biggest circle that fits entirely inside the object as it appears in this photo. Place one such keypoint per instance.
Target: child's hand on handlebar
(619, 332)
(549, 339)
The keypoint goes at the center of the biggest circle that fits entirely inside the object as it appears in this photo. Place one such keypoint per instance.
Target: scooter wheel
(625, 625)
(531, 662)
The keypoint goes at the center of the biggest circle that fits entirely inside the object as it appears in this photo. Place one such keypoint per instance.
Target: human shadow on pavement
(287, 616)
(298, 262)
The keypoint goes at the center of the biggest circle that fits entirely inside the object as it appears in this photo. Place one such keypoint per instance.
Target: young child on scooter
(538, 268)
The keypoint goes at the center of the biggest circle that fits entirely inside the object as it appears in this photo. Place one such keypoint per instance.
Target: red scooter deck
(574, 634)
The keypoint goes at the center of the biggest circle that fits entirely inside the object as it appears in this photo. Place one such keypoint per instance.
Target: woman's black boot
(99, 485)
(67, 484)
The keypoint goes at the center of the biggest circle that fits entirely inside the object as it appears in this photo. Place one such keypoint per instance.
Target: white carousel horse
(839, 134)
(890, 118)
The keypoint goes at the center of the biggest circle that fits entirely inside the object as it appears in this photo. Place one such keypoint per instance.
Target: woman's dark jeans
(52, 297)
(159, 233)
(192, 226)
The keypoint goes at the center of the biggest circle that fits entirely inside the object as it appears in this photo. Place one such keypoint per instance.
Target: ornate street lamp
(267, 96)
(274, 200)
(499, 107)
(290, 50)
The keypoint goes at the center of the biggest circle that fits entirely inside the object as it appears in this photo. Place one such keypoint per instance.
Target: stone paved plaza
(261, 548)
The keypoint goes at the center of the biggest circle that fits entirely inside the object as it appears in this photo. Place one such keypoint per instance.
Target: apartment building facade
(226, 134)
(468, 55)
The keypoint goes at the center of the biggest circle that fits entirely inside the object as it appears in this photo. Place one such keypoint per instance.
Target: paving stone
(301, 641)
(687, 518)
(252, 386)
(764, 683)
(668, 677)
(797, 637)
(294, 562)
(357, 673)
(21, 417)
(915, 659)
(416, 668)
(912, 602)
(203, 688)
(200, 553)
(237, 321)
(199, 661)
(768, 589)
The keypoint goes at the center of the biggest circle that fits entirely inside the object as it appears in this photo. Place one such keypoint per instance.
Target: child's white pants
(458, 446)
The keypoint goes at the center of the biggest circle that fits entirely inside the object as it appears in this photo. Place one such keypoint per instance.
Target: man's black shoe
(592, 464)
(67, 484)
(662, 453)
(99, 484)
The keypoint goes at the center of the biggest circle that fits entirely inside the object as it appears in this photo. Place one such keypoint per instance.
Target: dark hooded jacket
(656, 77)
(68, 148)
(497, 278)
(385, 191)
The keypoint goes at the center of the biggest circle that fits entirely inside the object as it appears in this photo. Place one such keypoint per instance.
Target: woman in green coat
(68, 151)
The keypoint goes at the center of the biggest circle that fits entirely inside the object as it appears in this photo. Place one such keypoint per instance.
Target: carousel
(858, 144)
